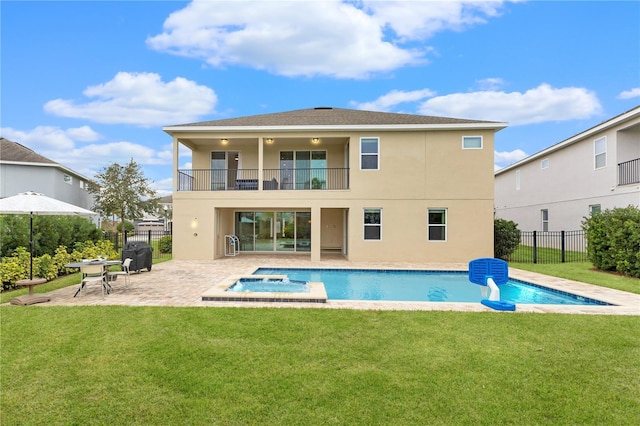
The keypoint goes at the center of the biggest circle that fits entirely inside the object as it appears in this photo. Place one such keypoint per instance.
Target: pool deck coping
(181, 283)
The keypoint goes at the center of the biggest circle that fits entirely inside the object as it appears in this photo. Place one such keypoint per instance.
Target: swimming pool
(422, 286)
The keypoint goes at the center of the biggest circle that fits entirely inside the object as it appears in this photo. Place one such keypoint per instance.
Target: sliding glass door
(303, 169)
(273, 231)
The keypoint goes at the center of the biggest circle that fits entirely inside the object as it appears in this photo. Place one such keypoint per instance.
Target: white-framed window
(370, 153)
(544, 164)
(68, 179)
(437, 225)
(517, 180)
(600, 152)
(372, 224)
(544, 216)
(472, 142)
(594, 209)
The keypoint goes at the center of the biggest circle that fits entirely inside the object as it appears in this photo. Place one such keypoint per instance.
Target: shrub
(16, 267)
(613, 240)
(506, 237)
(165, 244)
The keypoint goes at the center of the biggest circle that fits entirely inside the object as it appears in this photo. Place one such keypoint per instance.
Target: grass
(547, 254)
(61, 282)
(584, 272)
(148, 365)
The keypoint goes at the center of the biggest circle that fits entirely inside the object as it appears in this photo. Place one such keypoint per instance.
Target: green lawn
(200, 366)
(584, 272)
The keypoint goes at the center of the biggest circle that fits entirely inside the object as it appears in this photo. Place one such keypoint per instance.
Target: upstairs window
(68, 179)
(372, 224)
(544, 164)
(437, 224)
(594, 209)
(600, 152)
(472, 142)
(369, 153)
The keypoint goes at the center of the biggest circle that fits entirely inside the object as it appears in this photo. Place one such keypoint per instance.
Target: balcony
(273, 179)
(629, 172)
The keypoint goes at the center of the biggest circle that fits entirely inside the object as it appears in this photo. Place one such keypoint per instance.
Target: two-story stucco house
(554, 189)
(370, 185)
(22, 169)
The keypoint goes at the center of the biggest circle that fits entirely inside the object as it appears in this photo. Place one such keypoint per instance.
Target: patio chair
(93, 274)
(124, 272)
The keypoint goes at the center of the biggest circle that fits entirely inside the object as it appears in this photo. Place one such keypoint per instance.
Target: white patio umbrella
(34, 203)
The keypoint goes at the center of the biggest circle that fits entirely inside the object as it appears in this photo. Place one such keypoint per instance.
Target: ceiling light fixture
(224, 141)
(269, 141)
(315, 140)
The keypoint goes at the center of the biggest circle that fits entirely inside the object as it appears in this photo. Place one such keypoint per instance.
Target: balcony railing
(273, 179)
(629, 172)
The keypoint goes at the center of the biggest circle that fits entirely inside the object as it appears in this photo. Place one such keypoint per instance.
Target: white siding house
(556, 188)
(22, 169)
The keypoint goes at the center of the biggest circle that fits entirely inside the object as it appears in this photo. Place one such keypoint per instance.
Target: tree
(123, 191)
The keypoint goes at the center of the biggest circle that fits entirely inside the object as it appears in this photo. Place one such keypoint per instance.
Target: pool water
(275, 285)
(421, 286)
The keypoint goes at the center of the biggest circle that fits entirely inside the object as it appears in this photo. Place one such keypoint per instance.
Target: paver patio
(182, 283)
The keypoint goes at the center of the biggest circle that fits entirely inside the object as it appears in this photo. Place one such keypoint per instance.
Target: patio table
(104, 263)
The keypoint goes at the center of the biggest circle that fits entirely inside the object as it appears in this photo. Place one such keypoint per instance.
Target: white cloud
(61, 146)
(541, 104)
(141, 99)
(392, 99)
(509, 157)
(163, 186)
(490, 83)
(44, 138)
(342, 39)
(630, 94)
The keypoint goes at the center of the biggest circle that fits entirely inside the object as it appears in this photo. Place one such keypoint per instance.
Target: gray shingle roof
(327, 116)
(13, 151)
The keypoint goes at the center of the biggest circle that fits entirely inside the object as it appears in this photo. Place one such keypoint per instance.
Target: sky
(91, 83)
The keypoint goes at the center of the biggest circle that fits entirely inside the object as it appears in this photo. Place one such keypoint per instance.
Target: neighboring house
(371, 185)
(161, 221)
(22, 169)
(554, 189)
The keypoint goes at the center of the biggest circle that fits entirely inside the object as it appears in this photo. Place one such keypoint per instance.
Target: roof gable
(13, 151)
(328, 116)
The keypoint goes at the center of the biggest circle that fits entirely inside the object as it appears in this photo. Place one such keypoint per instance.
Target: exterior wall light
(269, 141)
(224, 141)
(315, 141)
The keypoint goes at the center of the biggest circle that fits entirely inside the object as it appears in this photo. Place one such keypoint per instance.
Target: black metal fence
(551, 247)
(629, 172)
(273, 179)
(150, 237)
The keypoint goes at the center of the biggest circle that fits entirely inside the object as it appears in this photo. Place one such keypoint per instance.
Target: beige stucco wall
(418, 170)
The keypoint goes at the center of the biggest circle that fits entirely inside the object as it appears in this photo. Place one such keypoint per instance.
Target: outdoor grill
(141, 254)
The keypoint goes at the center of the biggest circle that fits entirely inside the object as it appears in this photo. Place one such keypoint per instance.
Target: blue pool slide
(491, 272)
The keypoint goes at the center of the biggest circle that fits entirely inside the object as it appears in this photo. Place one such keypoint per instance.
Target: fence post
(535, 247)
(149, 237)
(562, 244)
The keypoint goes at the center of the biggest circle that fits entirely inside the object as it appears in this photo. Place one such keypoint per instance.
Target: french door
(224, 169)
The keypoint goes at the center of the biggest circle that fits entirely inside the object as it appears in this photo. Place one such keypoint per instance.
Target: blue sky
(91, 83)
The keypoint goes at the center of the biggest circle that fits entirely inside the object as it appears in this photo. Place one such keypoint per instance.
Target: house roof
(15, 153)
(614, 121)
(328, 118)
